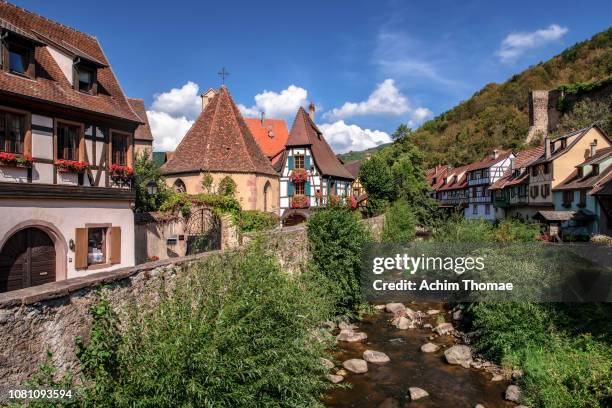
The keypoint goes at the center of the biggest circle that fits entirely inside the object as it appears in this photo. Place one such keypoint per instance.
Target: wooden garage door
(27, 259)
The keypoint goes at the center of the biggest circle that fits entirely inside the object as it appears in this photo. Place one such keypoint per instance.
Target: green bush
(458, 229)
(227, 186)
(400, 223)
(511, 231)
(233, 331)
(337, 240)
(249, 221)
(224, 204)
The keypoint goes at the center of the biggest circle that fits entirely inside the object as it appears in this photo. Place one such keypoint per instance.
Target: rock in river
(351, 336)
(461, 355)
(356, 365)
(513, 393)
(334, 379)
(395, 307)
(372, 356)
(444, 328)
(417, 393)
(403, 323)
(429, 348)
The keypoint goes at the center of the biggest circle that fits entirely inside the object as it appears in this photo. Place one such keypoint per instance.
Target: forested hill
(497, 115)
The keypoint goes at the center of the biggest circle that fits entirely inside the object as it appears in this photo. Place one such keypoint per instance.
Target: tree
(402, 132)
(208, 183)
(145, 171)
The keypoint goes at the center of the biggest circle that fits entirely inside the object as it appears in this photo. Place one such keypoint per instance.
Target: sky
(368, 66)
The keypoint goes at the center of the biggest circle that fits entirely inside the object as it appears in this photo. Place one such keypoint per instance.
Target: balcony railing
(481, 199)
(479, 181)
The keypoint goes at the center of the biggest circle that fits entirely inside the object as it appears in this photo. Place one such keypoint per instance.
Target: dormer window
(85, 80)
(595, 169)
(19, 59)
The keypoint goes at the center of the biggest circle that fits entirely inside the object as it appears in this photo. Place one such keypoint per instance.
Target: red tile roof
(522, 159)
(489, 161)
(456, 180)
(50, 84)
(354, 167)
(271, 136)
(305, 133)
(143, 132)
(219, 140)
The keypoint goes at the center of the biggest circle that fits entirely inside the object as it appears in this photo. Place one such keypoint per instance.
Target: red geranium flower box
(298, 176)
(71, 166)
(121, 172)
(300, 201)
(14, 160)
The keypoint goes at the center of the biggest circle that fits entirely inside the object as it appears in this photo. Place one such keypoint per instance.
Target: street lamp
(152, 187)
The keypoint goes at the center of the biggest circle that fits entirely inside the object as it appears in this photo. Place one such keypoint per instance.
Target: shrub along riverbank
(564, 350)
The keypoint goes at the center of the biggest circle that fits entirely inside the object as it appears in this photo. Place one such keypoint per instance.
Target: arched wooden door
(27, 259)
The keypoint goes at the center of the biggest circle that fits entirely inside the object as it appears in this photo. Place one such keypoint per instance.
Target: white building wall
(67, 216)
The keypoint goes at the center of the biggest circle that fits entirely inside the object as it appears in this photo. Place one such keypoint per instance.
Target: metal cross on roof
(223, 73)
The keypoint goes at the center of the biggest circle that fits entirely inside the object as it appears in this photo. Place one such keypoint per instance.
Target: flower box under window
(120, 172)
(71, 166)
(300, 201)
(15, 160)
(298, 176)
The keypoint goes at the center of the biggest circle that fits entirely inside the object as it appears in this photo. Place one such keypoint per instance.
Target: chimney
(311, 111)
(263, 118)
(593, 147)
(546, 148)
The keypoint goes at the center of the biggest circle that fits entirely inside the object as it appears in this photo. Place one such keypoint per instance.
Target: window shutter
(80, 250)
(290, 189)
(290, 163)
(307, 188)
(307, 162)
(115, 245)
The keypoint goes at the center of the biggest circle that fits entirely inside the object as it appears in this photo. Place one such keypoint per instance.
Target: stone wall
(50, 317)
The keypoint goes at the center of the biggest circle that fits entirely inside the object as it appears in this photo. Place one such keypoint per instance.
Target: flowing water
(447, 385)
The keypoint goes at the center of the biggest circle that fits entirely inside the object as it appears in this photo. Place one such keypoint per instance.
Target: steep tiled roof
(589, 180)
(573, 140)
(50, 84)
(219, 140)
(305, 133)
(271, 136)
(143, 132)
(354, 167)
(456, 180)
(522, 159)
(489, 161)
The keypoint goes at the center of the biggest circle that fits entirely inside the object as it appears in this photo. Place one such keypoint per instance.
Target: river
(447, 385)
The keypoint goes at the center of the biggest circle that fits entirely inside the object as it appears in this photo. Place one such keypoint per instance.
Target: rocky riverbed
(412, 356)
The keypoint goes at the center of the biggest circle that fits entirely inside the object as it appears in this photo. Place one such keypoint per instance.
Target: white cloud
(167, 130)
(343, 137)
(385, 100)
(284, 104)
(516, 44)
(177, 102)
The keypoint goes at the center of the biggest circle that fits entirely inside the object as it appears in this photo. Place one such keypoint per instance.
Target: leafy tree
(402, 132)
(145, 171)
(227, 186)
(400, 223)
(586, 112)
(337, 240)
(377, 180)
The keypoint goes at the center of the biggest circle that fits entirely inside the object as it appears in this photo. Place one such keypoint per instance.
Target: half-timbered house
(66, 151)
(311, 174)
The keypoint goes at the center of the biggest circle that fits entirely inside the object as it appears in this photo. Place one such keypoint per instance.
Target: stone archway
(59, 243)
(295, 216)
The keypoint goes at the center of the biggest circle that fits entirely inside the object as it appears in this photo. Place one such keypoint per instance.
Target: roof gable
(219, 140)
(51, 84)
(305, 133)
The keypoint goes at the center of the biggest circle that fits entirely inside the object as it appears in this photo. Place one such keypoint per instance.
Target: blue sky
(367, 65)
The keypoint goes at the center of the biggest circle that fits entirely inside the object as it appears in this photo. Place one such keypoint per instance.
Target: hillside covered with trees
(497, 116)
